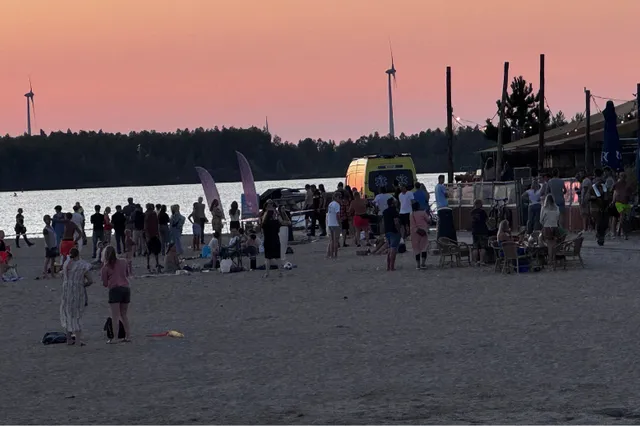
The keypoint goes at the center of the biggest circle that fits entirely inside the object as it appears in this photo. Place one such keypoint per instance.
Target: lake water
(38, 203)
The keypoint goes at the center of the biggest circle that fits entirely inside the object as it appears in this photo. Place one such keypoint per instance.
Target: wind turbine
(391, 72)
(29, 96)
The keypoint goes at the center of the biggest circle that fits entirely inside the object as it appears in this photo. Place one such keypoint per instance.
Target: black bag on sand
(53, 337)
(108, 327)
(402, 248)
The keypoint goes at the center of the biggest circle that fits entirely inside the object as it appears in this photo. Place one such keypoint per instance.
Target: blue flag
(611, 155)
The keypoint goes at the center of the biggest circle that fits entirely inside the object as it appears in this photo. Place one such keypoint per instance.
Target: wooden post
(587, 130)
(541, 113)
(449, 128)
(638, 131)
(503, 101)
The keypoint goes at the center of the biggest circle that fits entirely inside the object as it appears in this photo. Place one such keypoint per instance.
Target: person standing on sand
(75, 277)
(138, 231)
(195, 227)
(119, 223)
(108, 226)
(152, 235)
(50, 247)
(345, 203)
(202, 217)
(115, 277)
(97, 221)
(128, 211)
(21, 230)
(163, 225)
(58, 221)
(392, 227)
(176, 225)
(419, 226)
(550, 220)
(333, 223)
(216, 216)
(283, 233)
(358, 209)
(71, 237)
(78, 219)
(234, 216)
(270, 228)
(82, 225)
(406, 200)
(599, 200)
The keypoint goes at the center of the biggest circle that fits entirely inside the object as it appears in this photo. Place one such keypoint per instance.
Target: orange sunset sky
(314, 67)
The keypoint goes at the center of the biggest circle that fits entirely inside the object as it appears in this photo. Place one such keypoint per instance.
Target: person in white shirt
(381, 203)
(533, 211)
(333, 224)
(78, 219)
(550, 220)
(406, 199)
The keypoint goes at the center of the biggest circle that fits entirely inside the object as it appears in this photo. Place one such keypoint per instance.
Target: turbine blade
(395, 82)
(30, 88)
(391, 51)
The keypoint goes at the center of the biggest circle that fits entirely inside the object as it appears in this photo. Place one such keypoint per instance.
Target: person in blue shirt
(441, 193)
(420, 196)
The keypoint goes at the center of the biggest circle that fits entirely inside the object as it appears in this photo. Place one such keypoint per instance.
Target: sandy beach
(336, 342)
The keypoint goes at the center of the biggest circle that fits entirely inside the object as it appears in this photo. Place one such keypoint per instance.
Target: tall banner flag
(248, 185)
(209, 187)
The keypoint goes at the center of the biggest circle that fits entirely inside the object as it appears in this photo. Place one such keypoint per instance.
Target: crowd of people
(395, 217)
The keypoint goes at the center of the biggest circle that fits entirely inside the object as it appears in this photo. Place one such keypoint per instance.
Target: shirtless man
(70, 237)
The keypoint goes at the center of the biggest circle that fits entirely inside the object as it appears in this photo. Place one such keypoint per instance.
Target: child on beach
(214, 245)
(171, 259)
(129, 247)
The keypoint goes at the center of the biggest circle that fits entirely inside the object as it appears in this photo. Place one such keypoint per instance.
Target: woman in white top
(283, 233)
(550, 220)
(533, 212)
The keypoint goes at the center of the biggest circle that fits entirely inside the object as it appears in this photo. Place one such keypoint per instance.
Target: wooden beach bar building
(565, 146)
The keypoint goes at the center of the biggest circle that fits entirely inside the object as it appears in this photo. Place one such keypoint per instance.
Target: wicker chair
(510, 250)
(463, 248)
(447, 250)
(570, 250)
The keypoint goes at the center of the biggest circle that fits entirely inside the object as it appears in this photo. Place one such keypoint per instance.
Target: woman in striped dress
(75, 277)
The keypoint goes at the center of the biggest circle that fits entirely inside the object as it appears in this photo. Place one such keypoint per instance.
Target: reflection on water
(38, 203)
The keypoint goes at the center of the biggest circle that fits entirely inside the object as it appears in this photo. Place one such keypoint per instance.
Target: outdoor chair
(570, 250)
(447, 250)
(463, 248)
(511, 257)
(497, 252)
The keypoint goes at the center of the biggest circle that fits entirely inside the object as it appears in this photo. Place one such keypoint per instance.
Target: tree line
(98, 159)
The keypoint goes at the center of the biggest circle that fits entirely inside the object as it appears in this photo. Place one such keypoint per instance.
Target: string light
(614, 99)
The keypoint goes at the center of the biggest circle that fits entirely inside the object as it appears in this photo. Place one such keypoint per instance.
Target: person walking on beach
(419, 225)
(119, 223)
(75, 277)
(216, 216)
(345, 203)
(21, 230)
(163, 225)
(392, 227)
(138, 231)
(152, 235)
(80, 211)
(176, 225)
(557, 190)
(115, 277)
(333, 223)
(50, 247)
(71, 237)
(97, 221)
(58, 220)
